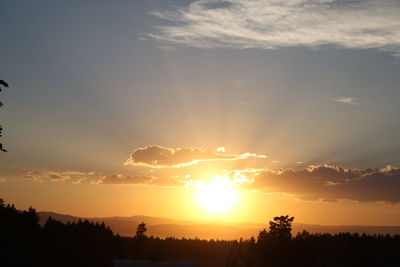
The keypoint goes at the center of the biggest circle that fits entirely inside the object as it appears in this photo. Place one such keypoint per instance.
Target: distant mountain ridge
(165, 227)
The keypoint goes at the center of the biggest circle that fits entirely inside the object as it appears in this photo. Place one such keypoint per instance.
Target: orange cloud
(119, 179)
(162, 157)
(317, 182)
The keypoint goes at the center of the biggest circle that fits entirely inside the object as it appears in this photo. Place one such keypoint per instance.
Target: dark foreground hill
(164, 227)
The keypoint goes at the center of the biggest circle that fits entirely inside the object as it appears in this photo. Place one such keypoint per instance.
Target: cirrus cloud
(272, 24)
(346, 100)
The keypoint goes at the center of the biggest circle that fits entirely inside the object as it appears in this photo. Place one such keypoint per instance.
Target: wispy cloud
(163, 157)
(60, 176)
(116, 179)
(272, 24)
(120, 179)
(78, 177)
(346, 100)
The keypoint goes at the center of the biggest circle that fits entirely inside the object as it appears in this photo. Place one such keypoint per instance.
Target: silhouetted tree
(262, 236)
(281, 226)
(19, 235)
(140, 250)
(141, 230)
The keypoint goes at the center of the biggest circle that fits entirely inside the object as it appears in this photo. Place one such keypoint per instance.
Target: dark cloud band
(332, 183)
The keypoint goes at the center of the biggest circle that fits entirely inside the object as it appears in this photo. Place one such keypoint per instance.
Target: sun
(217, 197)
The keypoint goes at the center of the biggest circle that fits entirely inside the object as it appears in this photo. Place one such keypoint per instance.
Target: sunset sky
(203, 110)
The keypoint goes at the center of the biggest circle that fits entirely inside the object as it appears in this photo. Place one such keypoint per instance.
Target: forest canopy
(85, 243)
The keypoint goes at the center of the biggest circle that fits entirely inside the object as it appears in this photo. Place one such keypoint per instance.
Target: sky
(203, 110)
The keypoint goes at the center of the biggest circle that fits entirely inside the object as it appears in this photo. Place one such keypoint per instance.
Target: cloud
(162, 157)
(346, 100)
(332, 183)
(238, 82)
(317, 182)
(272, 24)
(78, 177)
(119, 179)
(123, 179)
(59, 176)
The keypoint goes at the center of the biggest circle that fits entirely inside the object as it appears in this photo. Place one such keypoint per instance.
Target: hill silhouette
(164, 227)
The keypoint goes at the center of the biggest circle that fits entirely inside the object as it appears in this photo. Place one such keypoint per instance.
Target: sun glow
(217, 197)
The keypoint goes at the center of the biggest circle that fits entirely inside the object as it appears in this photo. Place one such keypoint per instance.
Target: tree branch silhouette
(5, 84)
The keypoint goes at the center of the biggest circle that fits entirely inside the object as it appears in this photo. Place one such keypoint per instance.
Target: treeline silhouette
(23, 242)
(277, 247)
